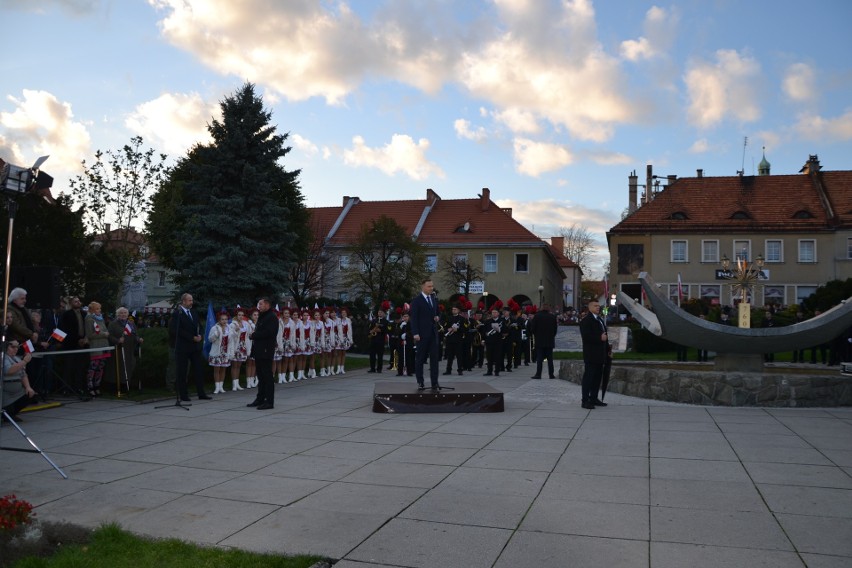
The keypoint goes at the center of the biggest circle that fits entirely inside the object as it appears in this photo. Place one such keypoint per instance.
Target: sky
(550, 104)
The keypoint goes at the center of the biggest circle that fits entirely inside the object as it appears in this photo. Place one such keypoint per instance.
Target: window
(742, 250)
(710, 292)
(775, 294)
(460, 260)
(679, 216)
(774, 251)
(490, 262)
(807, 250)
(343, 262)
(522, 262)
(432, 262)
(631, 258)
(849, 248)
(161, 279)
(673, 295)
(803, 292)
(343, 296)
(710, 251)
(679, 251)
(740, 215)
(803, 214)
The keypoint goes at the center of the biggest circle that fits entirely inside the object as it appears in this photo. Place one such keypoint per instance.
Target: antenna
(745, 143)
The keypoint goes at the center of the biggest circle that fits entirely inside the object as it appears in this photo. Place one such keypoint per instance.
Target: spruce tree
(243, 212)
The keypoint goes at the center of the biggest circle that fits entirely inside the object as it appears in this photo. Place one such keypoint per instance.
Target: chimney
(485, 199)
(632, 191)
(107, 228)
(699, 173)
(558, 243)
(649, 171)
(812, 165)
(345, 200)
(671, 179)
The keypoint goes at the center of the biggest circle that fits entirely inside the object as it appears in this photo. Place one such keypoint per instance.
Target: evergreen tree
(241, 211)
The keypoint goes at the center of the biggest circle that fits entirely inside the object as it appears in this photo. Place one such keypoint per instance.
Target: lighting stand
(13, 207)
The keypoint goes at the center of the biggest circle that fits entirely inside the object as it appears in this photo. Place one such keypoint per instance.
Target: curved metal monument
(670, 322)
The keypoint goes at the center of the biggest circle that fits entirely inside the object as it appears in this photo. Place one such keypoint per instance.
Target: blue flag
(211, 321)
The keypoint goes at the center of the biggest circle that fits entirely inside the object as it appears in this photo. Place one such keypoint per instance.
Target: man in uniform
(377, 336)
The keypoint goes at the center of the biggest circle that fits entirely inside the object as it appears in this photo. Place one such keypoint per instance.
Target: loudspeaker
(41, 284)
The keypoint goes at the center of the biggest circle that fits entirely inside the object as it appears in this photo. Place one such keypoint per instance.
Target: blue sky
(549, 104)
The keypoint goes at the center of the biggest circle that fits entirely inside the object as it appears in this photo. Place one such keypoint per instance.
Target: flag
(128, 329)
(58, 335)
(28, 346)
(211, 321)
(679, 289)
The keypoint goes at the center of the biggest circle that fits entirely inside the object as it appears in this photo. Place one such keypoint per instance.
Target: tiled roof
(746, 204)
(488, 223)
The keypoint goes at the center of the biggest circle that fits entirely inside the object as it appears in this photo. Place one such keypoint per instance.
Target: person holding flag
(123, 335)
(98, 336)
(17, 392)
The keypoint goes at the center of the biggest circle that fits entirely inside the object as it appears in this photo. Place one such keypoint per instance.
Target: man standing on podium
(424, 332)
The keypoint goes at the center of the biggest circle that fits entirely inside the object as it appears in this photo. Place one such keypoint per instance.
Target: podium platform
(403, 397)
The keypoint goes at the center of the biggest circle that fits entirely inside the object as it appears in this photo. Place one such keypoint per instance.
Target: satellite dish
(466, 226)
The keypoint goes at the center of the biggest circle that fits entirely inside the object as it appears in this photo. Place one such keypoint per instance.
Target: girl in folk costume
(278, 354)
(220, 351)
(251, 372)
(303, 348)
(326, 369)
(238, 337)
(317, 341)
(286, 339)
(344, 340)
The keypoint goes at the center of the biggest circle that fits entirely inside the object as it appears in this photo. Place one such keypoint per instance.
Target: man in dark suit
(262, 349)
(595, 345)
(543, 328)
(189, 340)
(76, 364)
(424, 316)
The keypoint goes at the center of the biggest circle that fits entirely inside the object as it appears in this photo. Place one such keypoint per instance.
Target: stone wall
(716, 388)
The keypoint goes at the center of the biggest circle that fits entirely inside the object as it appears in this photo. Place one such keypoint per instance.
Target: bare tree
(459, 274)
(313, 268)
(579, 245)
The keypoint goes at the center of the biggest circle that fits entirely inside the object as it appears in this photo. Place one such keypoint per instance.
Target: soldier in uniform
(405, 348)
(453, 333)
(522, 351)
(477, 342)
(377, 337)
(393, 338)
(509, 330)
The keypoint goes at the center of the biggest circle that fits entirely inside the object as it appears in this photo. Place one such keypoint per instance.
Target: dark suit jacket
(594, 349)
(264, 336)
(423, 317)
(71, 325)
(186, 328)
(543, 327)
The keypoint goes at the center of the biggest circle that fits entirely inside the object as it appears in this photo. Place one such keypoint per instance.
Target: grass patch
(112, 547)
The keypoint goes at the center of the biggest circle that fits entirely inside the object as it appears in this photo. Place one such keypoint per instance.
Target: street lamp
(540, 293)
(745, 277)
(485, 295)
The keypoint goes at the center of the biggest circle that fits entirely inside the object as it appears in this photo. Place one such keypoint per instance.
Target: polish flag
(28, 346)
(58, 335)
(127, 329)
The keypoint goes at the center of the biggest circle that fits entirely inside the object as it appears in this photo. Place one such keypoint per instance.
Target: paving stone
(596, 488)
(594, 464)
(450, 505)
(819, 535)
(707, 495)
(400, 474)
(797, 499)
(508, 459)
(799, 474)
(547, 549)
(744, 529)
(586, 518)
(676, 555)
(254, 488)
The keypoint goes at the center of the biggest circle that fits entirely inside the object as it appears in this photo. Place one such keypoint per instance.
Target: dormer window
(740, 215)
(679, 216)
(803, 214)
(463, 228)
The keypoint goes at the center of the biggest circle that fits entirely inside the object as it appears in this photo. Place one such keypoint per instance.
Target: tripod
(13, 207)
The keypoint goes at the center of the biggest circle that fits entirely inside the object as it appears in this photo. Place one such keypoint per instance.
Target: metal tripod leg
(35, 449)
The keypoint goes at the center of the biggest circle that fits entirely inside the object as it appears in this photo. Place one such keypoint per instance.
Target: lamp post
(485, 295)
(745, 278)
(540, 293)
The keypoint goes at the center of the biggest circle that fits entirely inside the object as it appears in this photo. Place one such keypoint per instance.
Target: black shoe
(551, 377)
(421, 386)
(588, 406)
(496, 374)
(448, 372)
(535, 377)
(399, 374)
(435, 387)
(185, 399)
(597, 402)
(255, 402)
(460, 373)
(487, 374)
(265, 406)
(371, 371)
(204, 397)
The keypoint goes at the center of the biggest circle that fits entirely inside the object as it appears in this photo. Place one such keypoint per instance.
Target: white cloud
(552, 66)
(42, 125)
(815, 127)
(659, 28)
(518, 120)
(725, 88)
(799, 83)
(700, 146)
(174, 122)
(535, 158)
(606, 158)
(304, 145)
(462, 128)
(73, 7)
(401, 154)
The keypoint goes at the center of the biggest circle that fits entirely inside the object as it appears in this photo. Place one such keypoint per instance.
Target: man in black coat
(543, 328)
(76, 364)
(262, 349)
(424, 316)
(595, 345)
(189, 339)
